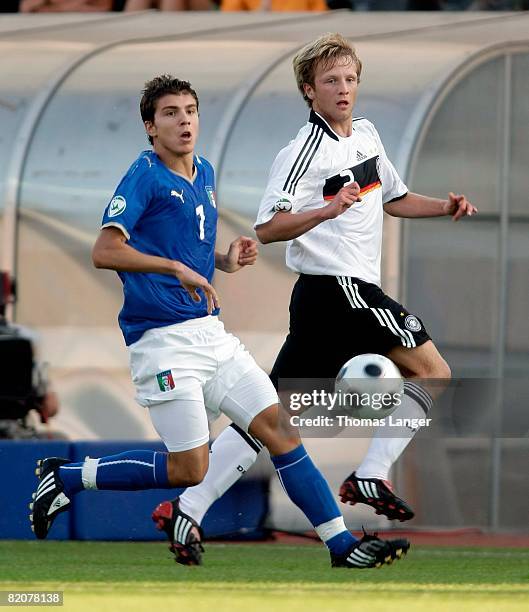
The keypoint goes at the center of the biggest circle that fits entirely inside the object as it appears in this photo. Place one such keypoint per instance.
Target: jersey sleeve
(131, 198)
(292, 181)
(393, 187)
(209, 174)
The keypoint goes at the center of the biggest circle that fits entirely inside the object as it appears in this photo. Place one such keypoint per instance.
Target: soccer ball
(369, 386)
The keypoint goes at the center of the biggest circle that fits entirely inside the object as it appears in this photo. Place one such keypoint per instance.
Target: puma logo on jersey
(178, 195)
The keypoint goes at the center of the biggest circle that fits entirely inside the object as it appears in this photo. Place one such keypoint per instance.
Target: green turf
(252, 578)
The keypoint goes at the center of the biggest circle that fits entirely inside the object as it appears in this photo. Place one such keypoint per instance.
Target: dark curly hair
(157, 88)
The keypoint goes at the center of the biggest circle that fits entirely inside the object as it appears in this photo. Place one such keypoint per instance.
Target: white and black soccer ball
(369, 386)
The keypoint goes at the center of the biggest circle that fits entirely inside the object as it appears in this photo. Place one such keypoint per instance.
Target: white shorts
(200, 362)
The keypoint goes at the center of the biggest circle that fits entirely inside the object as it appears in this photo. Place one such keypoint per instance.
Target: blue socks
(129, 471)
(307, 488)
(143, 469)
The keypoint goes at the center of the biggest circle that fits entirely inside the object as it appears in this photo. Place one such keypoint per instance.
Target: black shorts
(335, 318)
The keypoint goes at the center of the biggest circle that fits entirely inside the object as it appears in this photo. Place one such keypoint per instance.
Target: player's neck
(342, 128)
(181, 164)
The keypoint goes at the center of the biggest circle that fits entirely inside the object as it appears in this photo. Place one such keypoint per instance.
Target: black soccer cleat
(49, 498)
(377, 493)
(184, 533)
(371, 551)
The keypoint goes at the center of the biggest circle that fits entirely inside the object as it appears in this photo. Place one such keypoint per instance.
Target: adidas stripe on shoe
(184, 533)
(376, 493)
(370, 552)
(49, 500)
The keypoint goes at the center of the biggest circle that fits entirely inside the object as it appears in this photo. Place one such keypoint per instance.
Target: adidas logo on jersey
(360, 156)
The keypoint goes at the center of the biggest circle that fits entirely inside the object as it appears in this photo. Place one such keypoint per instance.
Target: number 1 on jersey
(202, 219)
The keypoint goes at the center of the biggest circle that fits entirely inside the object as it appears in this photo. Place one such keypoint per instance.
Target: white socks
(232, 454)
(235, 451)
(389, 442)
(331, 528)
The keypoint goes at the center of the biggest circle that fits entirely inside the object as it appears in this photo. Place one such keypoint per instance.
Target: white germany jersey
(310, 171)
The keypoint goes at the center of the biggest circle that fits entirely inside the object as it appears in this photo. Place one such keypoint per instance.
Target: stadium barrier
(116, 515)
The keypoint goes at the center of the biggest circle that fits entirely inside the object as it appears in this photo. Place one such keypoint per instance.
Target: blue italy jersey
(163, 213)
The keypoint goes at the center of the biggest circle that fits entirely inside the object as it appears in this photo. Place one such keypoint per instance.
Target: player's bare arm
(242, 252)
(287, 226)
(416, 206)
(112, 252)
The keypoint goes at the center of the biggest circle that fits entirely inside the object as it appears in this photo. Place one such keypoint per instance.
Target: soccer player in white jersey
(159, 233)
(326, 195)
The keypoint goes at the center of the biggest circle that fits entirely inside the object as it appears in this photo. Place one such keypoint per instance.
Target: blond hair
(325, 50)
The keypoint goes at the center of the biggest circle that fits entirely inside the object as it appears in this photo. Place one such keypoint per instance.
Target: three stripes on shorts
(384, 315)
(387, 319)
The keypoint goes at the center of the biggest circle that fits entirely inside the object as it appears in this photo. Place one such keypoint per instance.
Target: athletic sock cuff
(89, 473)
(252, 442)
(419, 395)
(160, 470)
(287, 459)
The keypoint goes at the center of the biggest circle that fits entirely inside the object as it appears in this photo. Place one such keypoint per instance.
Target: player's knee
(439, 376)
(436, 369)
(199, 471)
(187, 469)
(267, 419)
(187, 477)
(191, 479)
(444, 371)
(267, 424)
(273, 429)
(439, 370)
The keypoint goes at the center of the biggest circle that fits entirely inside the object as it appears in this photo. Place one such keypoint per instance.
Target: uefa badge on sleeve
(211, 196)
(117, 206)
(165, 380)
(283, 205)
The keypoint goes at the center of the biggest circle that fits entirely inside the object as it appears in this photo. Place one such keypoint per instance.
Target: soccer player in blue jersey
(159, 234)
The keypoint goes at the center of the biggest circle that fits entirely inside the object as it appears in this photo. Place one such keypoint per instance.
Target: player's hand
(458, 206)
(191, 281)
(342, 201)
(242, 252)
